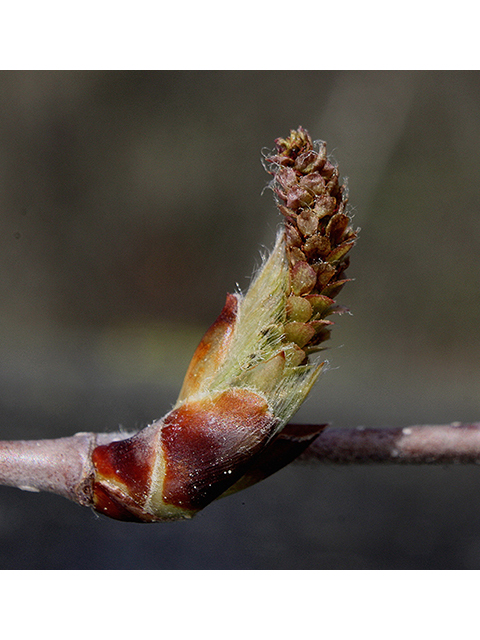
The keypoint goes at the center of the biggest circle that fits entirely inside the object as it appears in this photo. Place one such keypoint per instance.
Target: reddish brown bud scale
(123, 471)
(209, 443)
(118, 505)
(212, 349)
(283, 449)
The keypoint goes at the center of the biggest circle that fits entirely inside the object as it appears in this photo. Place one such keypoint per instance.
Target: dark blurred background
(131, 202)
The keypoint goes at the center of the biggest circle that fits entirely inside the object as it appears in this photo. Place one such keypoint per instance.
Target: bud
(254, 366)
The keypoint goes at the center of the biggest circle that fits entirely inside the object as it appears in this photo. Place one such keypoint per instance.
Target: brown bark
(64, 465)
(61, 465)
(419, 444)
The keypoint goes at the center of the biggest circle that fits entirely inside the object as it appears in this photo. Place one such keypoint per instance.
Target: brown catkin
(318, 235)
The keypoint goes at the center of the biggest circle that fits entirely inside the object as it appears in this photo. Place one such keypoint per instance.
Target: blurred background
(132, 202)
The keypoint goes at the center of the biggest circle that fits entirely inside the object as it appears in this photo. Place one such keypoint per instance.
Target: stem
(419, 444)
(62, 466)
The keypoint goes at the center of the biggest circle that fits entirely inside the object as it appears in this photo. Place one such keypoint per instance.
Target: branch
(64, 465)
(61, 465)
(419, 444)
